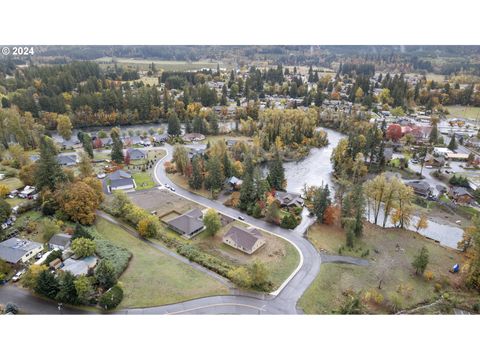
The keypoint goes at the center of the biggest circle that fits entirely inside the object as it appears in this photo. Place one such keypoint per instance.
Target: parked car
(172, 188)
(241, 218)
(18, 275)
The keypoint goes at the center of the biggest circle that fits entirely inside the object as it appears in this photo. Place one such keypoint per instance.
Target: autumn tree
(4, 190)
(180, 158)
(79, 201)
(64, 126)
(148, 226)
(28, 173)
(83, 247)
(422, 222)
(85, 165)
(212, 222)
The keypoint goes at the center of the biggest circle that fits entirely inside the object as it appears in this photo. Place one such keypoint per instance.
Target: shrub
(428, 275)
(438, 287)
(373, 296)
(240, 277)
(395, 302)
(112, 298)
(83, 247)
(11, 308)
(55, 254)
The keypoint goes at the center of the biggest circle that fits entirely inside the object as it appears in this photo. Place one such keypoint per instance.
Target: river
(316, 169)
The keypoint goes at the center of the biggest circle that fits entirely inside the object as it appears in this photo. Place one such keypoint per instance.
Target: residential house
(59, 242)
(420, 187)
(26, 192)
(461, 195)
(193, 137)
(80, 266)
(288, 199)
(235, 183)
(67, 160)
(160, 139)
(457, 157)
(15, 250)
(434, 160)
(70, 144)
(136, 154)
(188, 224)
(246, 240)
(120, 180)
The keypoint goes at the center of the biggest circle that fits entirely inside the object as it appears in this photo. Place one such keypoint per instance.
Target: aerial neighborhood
(314, 180)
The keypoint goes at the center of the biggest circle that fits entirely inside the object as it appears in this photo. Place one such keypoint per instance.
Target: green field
(12, 183)
(469, 112)
(164, 65)
(390, 269)
(153, 278)
(143, 180)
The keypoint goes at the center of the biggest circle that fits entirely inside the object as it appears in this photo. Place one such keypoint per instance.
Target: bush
(428, 275)
(11, 308)
(240, 277)
(55, 254)
(83, 247)
(112, 298)
(373, 296)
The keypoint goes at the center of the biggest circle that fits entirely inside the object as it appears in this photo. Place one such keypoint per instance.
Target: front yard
(389, 268)
(153, 278)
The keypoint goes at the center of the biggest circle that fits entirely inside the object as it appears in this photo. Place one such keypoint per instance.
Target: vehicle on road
(241, 218)
(172, 188)
(18, 275)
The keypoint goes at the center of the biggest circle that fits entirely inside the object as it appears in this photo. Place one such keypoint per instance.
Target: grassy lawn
(15, 201)
(154, 279)
(12, 183)
(143, 180)
(166, 65)
(388, 266)
(470, 112)
(182, 182)
(278, 255)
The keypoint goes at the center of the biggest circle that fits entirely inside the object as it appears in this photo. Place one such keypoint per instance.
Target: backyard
(153, 278)
(390, 253)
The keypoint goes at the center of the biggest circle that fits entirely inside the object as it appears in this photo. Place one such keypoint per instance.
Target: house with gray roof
(15, 250)
(136, 154)
(80, 266)
(59, 242)
(67, 160)
(188, 224)
(246, 240)
(420, 187)
(287, 199)
(120, 180)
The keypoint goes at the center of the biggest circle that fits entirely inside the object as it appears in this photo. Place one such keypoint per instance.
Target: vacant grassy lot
(165, 65)
(153, 278)
(12, 183)
(161, 201)
(469, 112)
(389, 268)
(143, 180)
(181, 181)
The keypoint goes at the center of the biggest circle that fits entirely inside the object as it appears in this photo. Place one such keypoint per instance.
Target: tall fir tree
(117, 146)
(49, 172)
(276, 175)
(196, 180)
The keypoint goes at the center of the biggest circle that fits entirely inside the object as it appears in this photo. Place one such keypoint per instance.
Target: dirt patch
(162, 201)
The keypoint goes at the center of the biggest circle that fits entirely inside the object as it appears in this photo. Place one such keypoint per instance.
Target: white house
(15, 250)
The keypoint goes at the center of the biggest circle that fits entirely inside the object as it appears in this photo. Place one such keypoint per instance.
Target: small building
(287, 199)
(80, 266)
(188, 224)
(15, 250)
(456, 157)
(461, 195)
(136, 154)
(193, 137)
(120, 180)
(26, 192)
(421, 188)
(67, 160)
(434, 160)
(246, 240)
(60, 242)
(235, 183)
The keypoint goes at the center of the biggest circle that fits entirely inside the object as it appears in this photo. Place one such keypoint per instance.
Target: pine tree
(227, 165)
(47, 284)
(276, 176)
(214, 179)
(67, 292)
(117, 146)
(196, 180)
(173, 124)
(87, 144)
(453, 143)
(49, 171)
(321, 200)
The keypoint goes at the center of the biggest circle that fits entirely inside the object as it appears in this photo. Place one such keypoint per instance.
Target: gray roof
(13, 249)
(60, 240)
(119, 174)
(288, 199)
(418, 185)
(244, 238)
(189, 222)
(80, 266)
(460, 191)
(136, 153)
(121, 182)
(67, 159)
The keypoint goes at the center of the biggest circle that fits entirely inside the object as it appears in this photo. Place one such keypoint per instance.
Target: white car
(167, 186)
(18, 275)
(172, 188)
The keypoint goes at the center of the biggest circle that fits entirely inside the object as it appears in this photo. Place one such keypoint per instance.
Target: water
(316, 169)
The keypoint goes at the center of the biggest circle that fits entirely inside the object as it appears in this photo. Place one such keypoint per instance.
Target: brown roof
(244, 238)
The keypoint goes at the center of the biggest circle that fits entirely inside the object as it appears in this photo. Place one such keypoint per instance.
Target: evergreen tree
(174, 124)
(214, 179)
(105, 274)
(87, 144)
(47, 284)
(321, 201)
(196, 180)
(227, 165)
(117, 146)
(433, 138)
(49, 172)
(452, 145)
(420, 261)
(276, 175)
(358, 201)
(67, 292)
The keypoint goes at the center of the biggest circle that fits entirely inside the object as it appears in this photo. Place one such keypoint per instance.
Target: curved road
(282, 301)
